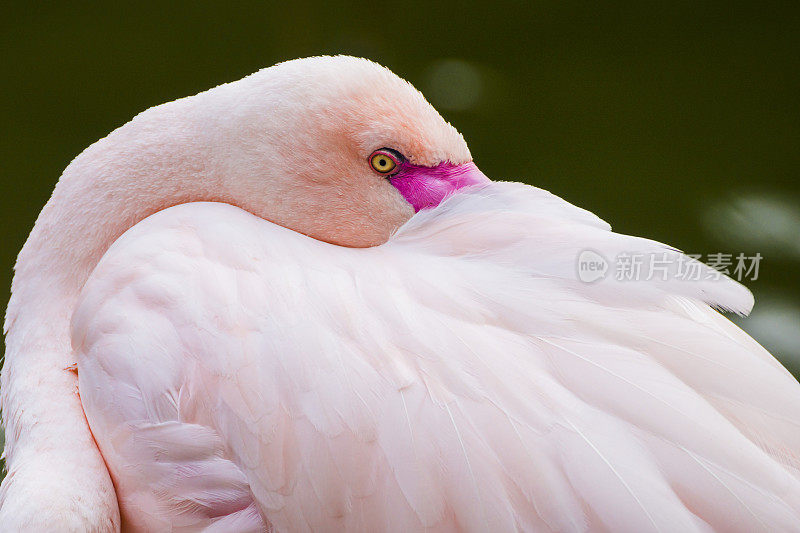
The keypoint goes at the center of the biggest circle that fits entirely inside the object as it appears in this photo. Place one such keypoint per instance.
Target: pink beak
(426, 187)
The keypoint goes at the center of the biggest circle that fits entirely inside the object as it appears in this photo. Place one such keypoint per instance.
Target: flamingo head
(338, 148)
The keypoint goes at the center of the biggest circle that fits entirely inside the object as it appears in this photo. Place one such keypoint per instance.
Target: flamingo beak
(426, 187)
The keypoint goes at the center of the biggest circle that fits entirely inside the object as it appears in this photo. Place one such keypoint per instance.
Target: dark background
(676, 121)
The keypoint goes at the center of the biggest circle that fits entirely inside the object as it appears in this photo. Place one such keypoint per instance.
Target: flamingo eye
(384, 161)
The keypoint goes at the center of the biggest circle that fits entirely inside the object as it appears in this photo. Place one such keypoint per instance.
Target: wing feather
(460, 376)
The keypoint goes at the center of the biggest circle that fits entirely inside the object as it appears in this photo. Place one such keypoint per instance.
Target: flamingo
(294, 303)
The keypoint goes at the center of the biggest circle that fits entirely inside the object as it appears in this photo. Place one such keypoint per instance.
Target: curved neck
(50, 451)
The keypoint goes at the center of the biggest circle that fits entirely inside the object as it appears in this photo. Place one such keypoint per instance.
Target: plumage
(238, 374)
(428, 383)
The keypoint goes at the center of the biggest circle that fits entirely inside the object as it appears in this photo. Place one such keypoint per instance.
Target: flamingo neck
(55, 470)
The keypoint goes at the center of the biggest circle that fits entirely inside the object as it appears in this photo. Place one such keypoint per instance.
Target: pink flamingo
(229, 317)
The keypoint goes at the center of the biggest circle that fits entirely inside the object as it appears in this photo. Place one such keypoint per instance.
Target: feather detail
(460, 376)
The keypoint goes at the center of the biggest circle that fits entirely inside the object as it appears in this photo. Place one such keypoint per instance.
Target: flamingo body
(236, 372)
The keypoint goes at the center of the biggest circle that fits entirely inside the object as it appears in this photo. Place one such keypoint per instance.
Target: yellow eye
(382, 162)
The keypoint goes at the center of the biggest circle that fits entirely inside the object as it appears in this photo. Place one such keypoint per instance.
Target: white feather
(458, 377)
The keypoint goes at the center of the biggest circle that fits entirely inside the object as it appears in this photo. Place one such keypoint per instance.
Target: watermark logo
(639, 266)
(591, 266)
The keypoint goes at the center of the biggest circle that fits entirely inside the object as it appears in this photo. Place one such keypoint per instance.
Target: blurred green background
(677, 121)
